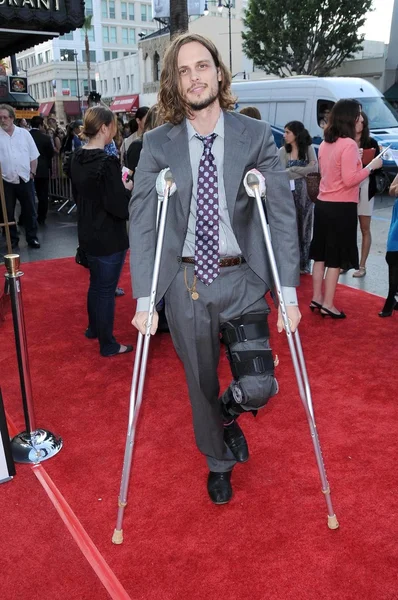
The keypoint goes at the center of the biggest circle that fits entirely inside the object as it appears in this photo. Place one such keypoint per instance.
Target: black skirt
(334, 240)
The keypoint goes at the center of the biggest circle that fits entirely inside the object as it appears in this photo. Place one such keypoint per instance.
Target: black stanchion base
(34, 447)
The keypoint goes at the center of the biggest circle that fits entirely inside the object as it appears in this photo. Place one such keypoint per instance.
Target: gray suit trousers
(195, 330)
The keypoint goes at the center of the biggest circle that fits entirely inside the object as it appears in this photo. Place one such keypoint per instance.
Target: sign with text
(24, 23)
(161, 8)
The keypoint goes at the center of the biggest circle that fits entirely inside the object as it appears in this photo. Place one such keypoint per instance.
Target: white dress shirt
(228, 245)
(16, 153)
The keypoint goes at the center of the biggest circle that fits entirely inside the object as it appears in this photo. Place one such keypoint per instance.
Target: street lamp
(79, 97)
(220, 5)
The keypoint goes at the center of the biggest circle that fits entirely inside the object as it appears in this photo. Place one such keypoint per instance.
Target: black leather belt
(227, 261)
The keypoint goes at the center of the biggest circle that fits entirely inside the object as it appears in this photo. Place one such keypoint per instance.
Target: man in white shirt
(18, 159)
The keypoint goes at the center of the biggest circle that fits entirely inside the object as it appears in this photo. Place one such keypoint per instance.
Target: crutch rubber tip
(117, 537)
(333, 522)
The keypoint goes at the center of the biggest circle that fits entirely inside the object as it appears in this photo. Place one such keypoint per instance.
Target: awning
(19, 100)
(392, 92)
(24, 24)
(25, 101)
(45, 108)
(125, 104)
(72, 108)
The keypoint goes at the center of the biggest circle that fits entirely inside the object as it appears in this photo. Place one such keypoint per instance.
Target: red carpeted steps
(272, 540)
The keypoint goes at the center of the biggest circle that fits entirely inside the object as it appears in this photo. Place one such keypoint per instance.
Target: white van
(306, 99)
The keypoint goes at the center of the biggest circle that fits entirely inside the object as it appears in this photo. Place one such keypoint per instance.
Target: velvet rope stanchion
(3, 206)
(32, 445)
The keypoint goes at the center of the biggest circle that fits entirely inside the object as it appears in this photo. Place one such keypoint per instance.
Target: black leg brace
(247, 346)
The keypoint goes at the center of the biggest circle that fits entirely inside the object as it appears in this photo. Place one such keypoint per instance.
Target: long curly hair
(173, 108)
(303, 138)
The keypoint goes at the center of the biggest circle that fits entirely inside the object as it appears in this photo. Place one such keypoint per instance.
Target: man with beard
(214, 270)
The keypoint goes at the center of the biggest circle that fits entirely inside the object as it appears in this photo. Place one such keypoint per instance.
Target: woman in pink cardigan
(334, 241)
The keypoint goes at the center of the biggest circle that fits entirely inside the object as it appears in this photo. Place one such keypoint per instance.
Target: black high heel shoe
(388, 313)
(329, 313)
(315, 305)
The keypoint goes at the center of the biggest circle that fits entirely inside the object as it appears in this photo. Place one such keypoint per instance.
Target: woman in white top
(298, 157)
(368, 149)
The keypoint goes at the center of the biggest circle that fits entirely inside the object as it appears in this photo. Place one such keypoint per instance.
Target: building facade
(57, 70)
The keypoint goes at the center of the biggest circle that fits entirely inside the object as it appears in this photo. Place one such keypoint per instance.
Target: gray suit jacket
(248, 144)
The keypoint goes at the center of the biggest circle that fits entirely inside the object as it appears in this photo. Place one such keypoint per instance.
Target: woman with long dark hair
(102, 210)
(299, 158)
(368, 148)
(334, 242)
(136, 126)
(152, 120)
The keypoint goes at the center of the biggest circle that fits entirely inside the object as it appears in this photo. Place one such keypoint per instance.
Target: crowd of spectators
(347, 162)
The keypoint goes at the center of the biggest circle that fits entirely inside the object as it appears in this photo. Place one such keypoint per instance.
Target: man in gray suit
(214, 269)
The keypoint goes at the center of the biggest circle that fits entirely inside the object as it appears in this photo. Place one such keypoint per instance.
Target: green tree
(303, 37)
(178, 17)
(87, 26)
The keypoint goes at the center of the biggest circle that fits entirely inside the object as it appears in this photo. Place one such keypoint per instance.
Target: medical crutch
(252, 179)
(140, 364)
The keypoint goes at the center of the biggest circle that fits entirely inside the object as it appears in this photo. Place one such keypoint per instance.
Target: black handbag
(313, 180)
(81, 258)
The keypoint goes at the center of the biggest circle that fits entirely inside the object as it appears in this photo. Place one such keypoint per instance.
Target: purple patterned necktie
(207, 226)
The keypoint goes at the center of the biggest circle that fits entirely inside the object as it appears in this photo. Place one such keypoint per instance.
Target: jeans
(104, 276)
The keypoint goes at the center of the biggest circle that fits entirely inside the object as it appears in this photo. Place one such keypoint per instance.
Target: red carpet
(272, 541)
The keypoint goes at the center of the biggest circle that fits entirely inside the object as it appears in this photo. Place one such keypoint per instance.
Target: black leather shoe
(122, 350)
(236, 442)
(34, 243)
(219, 487)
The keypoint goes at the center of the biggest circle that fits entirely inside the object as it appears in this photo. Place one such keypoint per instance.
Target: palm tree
(87, 26)
(178, 17)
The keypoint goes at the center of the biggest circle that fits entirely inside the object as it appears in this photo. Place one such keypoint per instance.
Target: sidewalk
(376, 279)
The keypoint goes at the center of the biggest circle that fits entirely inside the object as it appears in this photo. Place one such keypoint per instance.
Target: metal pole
(14, 66)
(77, 84)
(33, 445)
(3, 206)
(139, 371)
(297, 355)
(229, 6)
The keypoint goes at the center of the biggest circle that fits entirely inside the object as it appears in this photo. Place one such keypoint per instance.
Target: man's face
(199, 76)
(6, 122)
